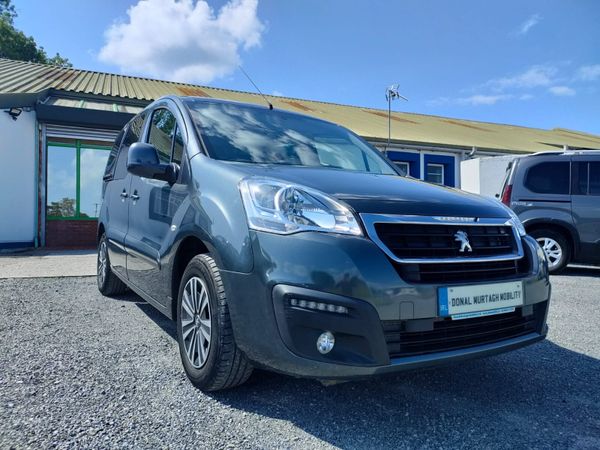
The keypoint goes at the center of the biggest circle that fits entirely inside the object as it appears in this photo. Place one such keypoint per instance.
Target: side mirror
(142, 160)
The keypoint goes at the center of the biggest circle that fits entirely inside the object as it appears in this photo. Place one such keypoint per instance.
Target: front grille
(426, 241)
(463, 272)
(456, 334)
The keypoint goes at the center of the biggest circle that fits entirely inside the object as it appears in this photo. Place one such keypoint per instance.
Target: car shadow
(581, 271)
(543, 389)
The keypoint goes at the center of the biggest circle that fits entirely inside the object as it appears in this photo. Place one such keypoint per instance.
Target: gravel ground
(80, 370)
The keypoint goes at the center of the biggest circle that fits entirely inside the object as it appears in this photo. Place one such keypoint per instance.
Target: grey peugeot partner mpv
(284, 242)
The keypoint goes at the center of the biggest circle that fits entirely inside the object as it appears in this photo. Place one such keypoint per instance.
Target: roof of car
(592, 152)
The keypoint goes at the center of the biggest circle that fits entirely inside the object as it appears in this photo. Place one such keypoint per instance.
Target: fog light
(325, 342)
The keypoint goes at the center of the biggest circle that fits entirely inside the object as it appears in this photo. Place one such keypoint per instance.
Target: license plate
(464, 302)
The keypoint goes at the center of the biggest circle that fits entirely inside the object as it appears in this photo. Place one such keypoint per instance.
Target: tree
(14, 44)
(7, 11)
(62, 208)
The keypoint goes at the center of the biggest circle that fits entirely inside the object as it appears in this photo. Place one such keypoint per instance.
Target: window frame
(442, 167)
(78, 146)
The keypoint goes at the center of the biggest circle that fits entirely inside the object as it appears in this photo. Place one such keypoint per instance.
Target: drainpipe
(36, 187)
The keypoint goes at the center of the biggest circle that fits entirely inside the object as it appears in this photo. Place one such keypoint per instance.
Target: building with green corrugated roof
(61, 123)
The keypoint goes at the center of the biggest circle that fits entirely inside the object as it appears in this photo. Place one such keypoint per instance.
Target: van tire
(551, 240)
(108, 283)
(224, 366)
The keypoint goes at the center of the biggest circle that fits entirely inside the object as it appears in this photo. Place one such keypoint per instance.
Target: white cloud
(531, 22)
(535, 76)
(183, 40)
(562, 91)
(480, 99)
(473, 100)
(277, 93)
(588, 73)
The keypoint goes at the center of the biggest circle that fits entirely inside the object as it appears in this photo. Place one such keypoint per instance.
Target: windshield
(249, 134)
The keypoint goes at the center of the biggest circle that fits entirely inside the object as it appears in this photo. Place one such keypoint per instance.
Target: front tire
(108, 283)
(211, 359)
(555, 246)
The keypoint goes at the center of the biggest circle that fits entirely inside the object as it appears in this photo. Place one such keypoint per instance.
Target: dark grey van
(557, 197)
(281, 241)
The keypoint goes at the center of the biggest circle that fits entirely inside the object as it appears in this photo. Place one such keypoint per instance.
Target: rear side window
(548, 178)
(132, 135)
(162, 131)
(595, 178)
(579, 178)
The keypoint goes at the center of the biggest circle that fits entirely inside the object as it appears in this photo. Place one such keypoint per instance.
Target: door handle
(124, 194)
(134, 196)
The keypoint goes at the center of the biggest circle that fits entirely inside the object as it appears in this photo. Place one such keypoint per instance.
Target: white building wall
(17, 178)
(484, 175)
(470, 176)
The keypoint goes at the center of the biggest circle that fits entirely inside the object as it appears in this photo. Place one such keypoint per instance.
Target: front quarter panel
(220, 214)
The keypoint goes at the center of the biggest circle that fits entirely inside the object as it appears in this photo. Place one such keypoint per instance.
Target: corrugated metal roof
(17, 77)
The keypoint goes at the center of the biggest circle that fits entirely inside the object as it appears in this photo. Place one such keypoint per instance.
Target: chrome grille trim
(369, 221)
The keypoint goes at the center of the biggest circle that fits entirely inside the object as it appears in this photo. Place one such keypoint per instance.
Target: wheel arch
(559, 226)
(189, 246)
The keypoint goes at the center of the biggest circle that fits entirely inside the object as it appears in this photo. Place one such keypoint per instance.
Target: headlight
(284, 208)
(516, 221)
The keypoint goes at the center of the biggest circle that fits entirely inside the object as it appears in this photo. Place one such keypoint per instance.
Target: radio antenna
(256, 87)
(391, 93)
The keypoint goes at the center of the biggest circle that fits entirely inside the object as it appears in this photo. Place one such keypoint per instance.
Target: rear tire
(556, 247)
(211, 359)
(108, 283)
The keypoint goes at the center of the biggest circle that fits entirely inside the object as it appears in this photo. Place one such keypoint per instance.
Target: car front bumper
(355, 273)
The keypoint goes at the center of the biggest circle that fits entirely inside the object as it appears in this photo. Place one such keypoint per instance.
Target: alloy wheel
(196, 321)
(102, 263)
(553, 250)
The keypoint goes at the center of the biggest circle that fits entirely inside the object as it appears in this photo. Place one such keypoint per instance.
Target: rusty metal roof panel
(17, 77)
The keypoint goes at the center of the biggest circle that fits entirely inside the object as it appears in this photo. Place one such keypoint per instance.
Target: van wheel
(556, 247)
(108, 283)
(210, 356)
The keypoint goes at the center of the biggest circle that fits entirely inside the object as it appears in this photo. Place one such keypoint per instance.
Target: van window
(549, 178)
(250, 134)
(132, 135)
(595, 178)
(579, 178)
(162, 130)
(112, 157)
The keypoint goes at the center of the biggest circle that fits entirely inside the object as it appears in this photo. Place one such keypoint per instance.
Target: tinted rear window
(548, 178)
(595, 178)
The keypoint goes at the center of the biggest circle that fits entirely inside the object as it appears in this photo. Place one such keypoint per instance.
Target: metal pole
(389, 124)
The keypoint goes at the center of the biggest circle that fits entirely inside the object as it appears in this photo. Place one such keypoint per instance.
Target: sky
(531, 63)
